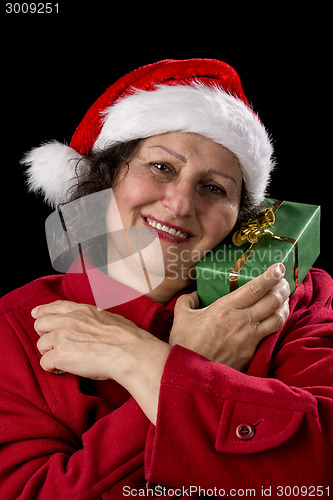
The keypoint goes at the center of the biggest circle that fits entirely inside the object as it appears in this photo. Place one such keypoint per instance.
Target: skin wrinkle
(184, 160)
(227, 176)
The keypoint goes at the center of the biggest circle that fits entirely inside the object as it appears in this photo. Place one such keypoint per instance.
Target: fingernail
(34, 312)
(281, 269)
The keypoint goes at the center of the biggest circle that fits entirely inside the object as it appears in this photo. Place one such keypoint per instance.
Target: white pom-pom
(51, 170)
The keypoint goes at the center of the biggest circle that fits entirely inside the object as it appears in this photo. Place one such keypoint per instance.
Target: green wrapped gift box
(291, 236)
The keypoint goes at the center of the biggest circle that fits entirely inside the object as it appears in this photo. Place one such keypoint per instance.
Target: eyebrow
(173, 153)
(223, 174)
(184, 160)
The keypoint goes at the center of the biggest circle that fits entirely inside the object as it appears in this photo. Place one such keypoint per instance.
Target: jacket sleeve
(217, 427)
(40, 456)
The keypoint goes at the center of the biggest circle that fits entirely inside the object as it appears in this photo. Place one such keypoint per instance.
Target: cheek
(133, 192)
(218, 224)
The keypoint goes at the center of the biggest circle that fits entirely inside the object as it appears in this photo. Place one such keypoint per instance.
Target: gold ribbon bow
(252, 231)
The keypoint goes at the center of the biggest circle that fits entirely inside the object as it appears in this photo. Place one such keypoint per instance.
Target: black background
(55, 66)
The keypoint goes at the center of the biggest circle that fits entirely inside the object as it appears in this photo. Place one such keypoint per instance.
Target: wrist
(140, 371)
(142, 362)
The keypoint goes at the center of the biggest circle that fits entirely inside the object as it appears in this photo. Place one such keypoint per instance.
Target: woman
(156, 393)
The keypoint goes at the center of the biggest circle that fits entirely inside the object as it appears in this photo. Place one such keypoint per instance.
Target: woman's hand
(229, 330)
(82, 340)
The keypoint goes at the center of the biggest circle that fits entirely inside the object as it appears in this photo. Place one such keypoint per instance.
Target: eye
(213, 190)
(162, 171)
(160, 166)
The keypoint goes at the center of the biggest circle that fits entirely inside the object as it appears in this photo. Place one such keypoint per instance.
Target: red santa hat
(202, 96)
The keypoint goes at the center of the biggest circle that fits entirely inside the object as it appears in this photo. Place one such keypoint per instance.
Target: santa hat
(203, 96)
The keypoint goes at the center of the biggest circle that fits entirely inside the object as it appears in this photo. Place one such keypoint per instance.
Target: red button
(245, 431)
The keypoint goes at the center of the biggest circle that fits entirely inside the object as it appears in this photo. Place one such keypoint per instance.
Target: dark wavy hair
(103, 168)
(102, 173)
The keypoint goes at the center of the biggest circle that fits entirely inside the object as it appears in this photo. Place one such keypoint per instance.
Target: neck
(168, 289)
(132, 272)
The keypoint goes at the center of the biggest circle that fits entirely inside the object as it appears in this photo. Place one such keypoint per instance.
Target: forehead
(188, 145)
(195, 150)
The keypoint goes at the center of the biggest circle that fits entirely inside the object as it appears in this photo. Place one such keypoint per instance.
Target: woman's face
(186, 189)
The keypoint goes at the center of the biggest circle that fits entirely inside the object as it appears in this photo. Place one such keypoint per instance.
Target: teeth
(166, 229)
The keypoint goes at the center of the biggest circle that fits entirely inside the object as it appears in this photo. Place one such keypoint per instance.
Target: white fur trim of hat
(197, 108)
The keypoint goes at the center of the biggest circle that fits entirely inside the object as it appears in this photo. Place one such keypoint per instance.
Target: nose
(179, 199)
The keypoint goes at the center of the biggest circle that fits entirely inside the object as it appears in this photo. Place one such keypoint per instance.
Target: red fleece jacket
(64, 437)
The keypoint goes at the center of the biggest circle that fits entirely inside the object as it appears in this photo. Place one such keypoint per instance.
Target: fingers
(273, 322)
(52, 315)
(50, 322)
(56, 360)
(57, 307)
(187, 301)
(251, 292)
(48, 364)
(46, 343)
(271, 302)
(66, 336)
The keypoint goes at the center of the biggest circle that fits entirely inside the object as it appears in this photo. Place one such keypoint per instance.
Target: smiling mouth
(167, 229)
